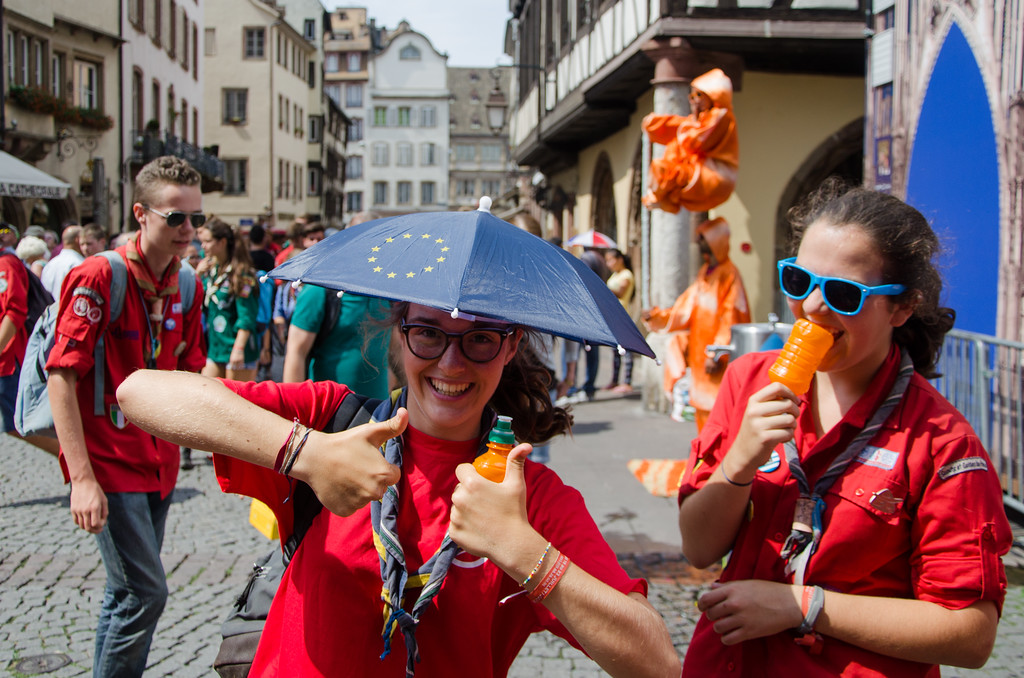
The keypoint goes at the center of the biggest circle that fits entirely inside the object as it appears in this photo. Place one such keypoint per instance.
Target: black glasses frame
(176, 218)
(503, 334)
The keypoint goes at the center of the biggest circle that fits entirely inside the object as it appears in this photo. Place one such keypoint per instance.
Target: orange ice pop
(804, 350)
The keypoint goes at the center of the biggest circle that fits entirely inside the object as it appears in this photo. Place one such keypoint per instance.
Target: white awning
(21, 180)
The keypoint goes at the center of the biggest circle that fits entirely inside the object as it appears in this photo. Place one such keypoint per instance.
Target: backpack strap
(186, 286)
(118, 286)
(354, 410)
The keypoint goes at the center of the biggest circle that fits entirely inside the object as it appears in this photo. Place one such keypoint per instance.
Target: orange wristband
(550, 580)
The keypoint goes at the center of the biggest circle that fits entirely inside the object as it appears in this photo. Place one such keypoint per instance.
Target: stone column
(669, 255)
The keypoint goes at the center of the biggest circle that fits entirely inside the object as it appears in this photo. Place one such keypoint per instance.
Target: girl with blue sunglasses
(851, 512)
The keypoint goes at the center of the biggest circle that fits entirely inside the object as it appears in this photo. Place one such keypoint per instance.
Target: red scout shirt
(124, 458)
(13, 305)
(327, 617)
(940, 542)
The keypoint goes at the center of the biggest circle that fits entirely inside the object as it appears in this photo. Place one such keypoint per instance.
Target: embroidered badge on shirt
(220, 323)
(879, 457)
(84, 309)
(3, 281)
(963, 466)
(176, 308)
(88, 292)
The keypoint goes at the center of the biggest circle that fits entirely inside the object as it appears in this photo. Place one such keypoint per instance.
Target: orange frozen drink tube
(804, 350)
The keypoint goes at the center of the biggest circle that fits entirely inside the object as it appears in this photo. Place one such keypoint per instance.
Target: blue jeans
(136, 589)
(593, 361)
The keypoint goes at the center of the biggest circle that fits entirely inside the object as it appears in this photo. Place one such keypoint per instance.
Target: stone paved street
(51, 578)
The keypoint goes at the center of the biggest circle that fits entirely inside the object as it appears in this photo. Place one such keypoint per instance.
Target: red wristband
(550, 580)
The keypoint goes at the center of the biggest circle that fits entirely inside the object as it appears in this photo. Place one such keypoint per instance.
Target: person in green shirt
(230, 303)
(353, 352)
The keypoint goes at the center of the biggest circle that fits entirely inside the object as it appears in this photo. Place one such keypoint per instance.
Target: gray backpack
(32, 413)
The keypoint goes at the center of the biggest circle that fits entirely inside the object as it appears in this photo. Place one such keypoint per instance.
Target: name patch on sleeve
(963, 466)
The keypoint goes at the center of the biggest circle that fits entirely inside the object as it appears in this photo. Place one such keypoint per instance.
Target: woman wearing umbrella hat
(483, 564)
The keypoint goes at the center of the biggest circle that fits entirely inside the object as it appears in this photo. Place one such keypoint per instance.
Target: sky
(470, 32)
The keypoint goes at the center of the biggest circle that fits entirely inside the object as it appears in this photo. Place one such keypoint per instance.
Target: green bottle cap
(502, 432)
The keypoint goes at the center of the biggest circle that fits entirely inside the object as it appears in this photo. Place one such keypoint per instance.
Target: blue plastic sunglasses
(845, 297)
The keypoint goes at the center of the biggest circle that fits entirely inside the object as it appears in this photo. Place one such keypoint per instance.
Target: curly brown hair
(242, 271)
(908, 246)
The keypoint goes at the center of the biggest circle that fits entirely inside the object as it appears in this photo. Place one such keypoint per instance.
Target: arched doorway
(603, 213)
(842, 155)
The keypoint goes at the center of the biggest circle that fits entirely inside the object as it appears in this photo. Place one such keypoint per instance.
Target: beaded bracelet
(282, 453)
(536, 568)
(550, 580)
(295, 453)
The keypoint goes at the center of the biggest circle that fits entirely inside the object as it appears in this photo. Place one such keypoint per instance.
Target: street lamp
(497, 107)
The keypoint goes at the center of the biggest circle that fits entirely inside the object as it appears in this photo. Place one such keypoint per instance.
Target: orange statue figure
(702, 153)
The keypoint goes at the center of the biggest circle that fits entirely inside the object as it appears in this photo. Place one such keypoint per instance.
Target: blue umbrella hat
(471, 264)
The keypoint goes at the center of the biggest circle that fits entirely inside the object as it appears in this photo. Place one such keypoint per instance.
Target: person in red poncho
(702, 152)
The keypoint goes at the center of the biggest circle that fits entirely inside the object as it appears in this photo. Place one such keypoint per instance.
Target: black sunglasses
(478, 345)
(175, 219)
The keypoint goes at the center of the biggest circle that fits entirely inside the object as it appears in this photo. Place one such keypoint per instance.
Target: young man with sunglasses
(122, 478)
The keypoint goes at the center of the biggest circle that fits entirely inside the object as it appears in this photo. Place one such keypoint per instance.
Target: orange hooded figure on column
(702, 152)
(704, 314)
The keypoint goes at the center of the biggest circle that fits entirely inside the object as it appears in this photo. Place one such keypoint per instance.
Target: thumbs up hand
(346, 469)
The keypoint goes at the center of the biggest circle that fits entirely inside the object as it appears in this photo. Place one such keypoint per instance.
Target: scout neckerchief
(393, 572)
(154, 295)
(807, 518)
(218, 277)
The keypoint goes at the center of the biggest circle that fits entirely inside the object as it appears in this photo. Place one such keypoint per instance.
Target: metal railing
(148, 145)
(984, 379)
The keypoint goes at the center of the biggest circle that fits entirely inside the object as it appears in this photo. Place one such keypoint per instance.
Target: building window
(331, 62)
(354, 167)
(316, 128)
(490, 152)
(355, 129)
(314, 181)
(355, 62)
(236, 106)
(210, 42)
(309, 29)
(137, 87)
(380, 154)
(380, 116)
(491, 187)
(254, 42)
(235, 176)
(465, 188)
(87, 84)
(409, 53)
(380, 193)
(428, 116)
(404, 152)
(40, 69)
(354, 201)
(427, 192)
(158, 28)
(156, 103)
(404, 193)
(404, 116)
(172, 41)
(334, 92)
(184, 119)
(465, 152)
(428, 154)
(353, 95)
(57, 61)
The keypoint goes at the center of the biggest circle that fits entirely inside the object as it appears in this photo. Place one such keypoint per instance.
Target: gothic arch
(841, 154)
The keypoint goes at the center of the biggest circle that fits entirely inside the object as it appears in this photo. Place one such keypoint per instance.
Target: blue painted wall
(954, 180)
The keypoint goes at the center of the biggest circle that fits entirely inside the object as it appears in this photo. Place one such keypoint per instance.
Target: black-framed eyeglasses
(479, 345)
(175, 218)
(843, 296)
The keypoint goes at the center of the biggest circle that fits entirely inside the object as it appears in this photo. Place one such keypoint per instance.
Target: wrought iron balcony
(149, 145)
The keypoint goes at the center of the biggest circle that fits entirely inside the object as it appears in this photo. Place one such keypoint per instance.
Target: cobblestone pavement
(51, 577)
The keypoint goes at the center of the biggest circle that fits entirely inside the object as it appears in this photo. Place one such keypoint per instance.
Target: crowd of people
(861, 523)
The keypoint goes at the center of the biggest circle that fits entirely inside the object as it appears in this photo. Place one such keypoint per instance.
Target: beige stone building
(256, 88)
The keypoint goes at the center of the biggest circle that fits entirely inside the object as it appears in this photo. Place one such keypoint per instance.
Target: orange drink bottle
(491, 464)
(804, 350)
